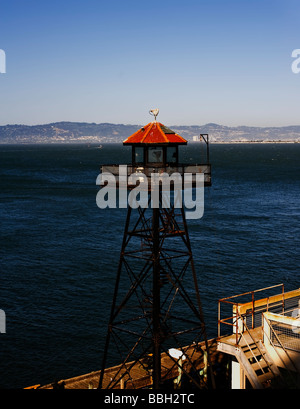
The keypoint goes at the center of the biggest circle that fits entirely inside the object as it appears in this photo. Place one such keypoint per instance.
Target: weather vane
(154, 112)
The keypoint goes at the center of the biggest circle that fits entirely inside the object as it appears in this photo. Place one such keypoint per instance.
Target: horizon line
(123, 124)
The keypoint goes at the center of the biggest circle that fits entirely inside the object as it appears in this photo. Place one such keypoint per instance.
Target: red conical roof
(155, 133)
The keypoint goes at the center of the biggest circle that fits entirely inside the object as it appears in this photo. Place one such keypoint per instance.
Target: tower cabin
(155, 149)
(155, 145)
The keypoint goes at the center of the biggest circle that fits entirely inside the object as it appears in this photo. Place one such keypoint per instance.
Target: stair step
(251, 353)
(246, 346)
(261, 365)
(265, 377)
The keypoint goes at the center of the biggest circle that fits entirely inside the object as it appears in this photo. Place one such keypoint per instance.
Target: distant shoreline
(77, 132)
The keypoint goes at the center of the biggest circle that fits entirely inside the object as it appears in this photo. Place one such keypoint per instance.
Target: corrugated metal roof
(155, 133)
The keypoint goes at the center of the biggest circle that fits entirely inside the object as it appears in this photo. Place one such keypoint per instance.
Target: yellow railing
(242, 311)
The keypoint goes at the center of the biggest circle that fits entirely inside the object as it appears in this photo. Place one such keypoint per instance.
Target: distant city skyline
(198, 61)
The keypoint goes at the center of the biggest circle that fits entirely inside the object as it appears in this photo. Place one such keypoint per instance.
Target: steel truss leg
(161, 307)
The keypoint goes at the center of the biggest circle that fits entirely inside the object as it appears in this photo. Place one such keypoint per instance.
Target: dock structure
(138, 375)
(265, 341)
(261, 351)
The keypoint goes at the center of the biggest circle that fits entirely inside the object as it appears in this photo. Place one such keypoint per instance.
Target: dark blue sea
(59, 252)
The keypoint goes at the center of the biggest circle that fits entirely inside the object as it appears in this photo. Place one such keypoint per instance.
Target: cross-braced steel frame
(156, 303)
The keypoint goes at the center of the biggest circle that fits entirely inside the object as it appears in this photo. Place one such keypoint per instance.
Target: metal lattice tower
(156, 304)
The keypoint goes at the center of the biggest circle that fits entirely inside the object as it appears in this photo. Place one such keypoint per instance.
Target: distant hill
(71, 132)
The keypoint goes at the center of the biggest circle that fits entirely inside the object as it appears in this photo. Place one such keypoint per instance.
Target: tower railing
(147, 170)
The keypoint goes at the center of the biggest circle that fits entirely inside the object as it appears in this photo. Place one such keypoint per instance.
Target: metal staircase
(251, 354)
(257, 364)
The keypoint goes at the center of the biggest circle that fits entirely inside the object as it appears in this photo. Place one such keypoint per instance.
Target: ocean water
(59, 252)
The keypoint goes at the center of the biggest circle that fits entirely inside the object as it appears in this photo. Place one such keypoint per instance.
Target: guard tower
(156, 330)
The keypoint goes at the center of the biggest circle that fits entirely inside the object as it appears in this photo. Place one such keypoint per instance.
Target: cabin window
(155, 155)
(171, 154)
(139, 154)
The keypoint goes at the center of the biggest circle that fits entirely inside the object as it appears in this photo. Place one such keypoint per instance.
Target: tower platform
(140, 376)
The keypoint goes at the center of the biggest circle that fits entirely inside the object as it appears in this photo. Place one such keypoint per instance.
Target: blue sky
(227, 62)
